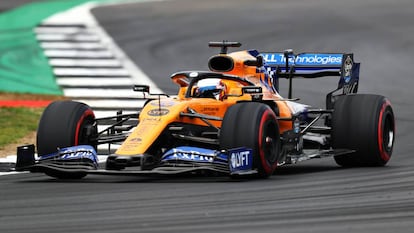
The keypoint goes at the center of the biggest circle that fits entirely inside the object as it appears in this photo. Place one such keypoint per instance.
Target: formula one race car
(230, 120)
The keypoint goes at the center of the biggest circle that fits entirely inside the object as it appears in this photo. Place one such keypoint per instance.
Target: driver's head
(210, 88)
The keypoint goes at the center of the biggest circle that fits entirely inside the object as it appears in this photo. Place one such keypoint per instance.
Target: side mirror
(258, 62)
(254, 91)
(141, 88)
(146, 89)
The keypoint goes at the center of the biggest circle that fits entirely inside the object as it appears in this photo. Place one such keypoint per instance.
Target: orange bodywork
(250, 73)
(158, 114)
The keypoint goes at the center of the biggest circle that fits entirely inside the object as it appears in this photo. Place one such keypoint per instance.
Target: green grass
(16, 123)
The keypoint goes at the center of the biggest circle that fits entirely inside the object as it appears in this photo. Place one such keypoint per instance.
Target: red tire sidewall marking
(268, 168)
(86, 114)
(385, 156)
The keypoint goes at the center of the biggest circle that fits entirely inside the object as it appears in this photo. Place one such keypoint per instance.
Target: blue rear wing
(308, 65)
(313, 65)
(304, 59)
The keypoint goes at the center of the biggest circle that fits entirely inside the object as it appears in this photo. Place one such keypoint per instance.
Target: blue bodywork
(238, 160)
(311, 65)
(80, 153)
(235, 161)
(314, 65)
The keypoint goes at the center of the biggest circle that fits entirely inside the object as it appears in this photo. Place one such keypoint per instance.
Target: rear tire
(253, 125)
(65, 124)
(364, 123)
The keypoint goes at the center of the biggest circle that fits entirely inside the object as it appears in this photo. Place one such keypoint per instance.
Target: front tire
(65, 124)
(364, 123)
(253, 125)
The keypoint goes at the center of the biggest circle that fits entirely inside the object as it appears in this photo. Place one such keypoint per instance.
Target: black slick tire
(65, 124)
(364, 123)
(253, 125)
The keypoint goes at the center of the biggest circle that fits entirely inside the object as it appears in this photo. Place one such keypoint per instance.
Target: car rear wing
(314, 65)
(308, 65)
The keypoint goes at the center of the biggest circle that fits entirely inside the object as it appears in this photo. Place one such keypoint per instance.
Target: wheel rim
(388, 134)
(86, 129)
(269, 147)
(386, 128)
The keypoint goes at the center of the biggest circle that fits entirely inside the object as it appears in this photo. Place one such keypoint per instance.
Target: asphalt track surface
(10, 4)
(314, 196)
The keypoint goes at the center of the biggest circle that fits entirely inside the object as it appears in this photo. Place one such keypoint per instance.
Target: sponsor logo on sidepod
(158, 112)
(163, 103)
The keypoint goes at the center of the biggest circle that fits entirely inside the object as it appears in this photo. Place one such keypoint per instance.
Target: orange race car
(229, 120)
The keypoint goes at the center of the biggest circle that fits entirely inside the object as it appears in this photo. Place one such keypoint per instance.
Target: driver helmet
(210, 88)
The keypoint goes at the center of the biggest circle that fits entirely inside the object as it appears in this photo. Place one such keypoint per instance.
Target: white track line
(99, 72)
(60, 30)
(88, 42)
(79, 53)
(64, 37)
(111, 103)
(100, 114)
(102, 93)
(85, 62)
(71, 45)
(94, 82)
(81, 15)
